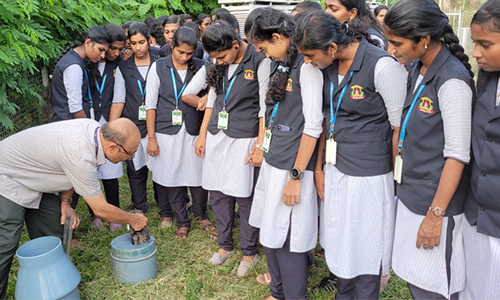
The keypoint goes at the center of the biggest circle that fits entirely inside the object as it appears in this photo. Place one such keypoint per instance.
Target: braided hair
(414, 19)
(216, 38)
(269, 22)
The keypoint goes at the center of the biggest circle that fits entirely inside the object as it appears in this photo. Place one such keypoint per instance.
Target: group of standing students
(330, 114)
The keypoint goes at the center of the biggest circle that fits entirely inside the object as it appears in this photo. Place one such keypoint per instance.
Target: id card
(267, 141)
(398, 169)
(142, 112)
(176, 117)
(331, 151)
(92, 114)
(223, 120)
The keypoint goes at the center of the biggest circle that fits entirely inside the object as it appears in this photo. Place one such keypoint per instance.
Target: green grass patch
(183, 268)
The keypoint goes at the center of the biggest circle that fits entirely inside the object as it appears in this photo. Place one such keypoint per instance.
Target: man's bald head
(122, 131)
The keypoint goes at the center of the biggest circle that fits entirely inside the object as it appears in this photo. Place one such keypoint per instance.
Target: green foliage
(33, 34)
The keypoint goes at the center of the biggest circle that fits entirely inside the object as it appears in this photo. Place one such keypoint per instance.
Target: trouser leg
(74, 200)
(138, 181)
(176, 197)
(345, 289)
(200, 200)
(112, 190)
(11, 228)
(166, 209)
(46, 220)
(293, 270)
(367, 286)
(223, 207)
(276, 286)
(248, 234)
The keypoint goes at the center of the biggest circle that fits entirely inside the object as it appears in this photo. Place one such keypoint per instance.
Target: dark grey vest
(482, 207)
(285, 144)
(60, 98)
(362, 129)
(424, 143)
(166, 99)
(134, 98)
(106, 98)
(243, 101)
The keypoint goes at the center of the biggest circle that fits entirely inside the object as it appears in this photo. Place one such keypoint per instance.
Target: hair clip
(283, 69)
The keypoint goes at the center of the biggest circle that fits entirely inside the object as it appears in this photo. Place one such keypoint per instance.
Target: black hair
(186, 35)
(173, 19)
(155, 30)
(115, 33)
(488, 15)
(269, 22)
(414, 19)
(308, 36)
(228, 18)
(218, 37)
(307, 5)
(138, 27)
(251, 19)
(185, 17)
(379, 8)
(96, 34)
(193, 26)
(161, 19)
(364, 14)
(127, 24)
(201, 18)
(220, 10)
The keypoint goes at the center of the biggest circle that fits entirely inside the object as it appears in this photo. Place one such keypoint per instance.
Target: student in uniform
(102, 81)
(170, 25)
(203, 21)
(363, 97)
(129, 102)
(348, 10)
(172, 130)
(234, 121)
(379, 13)
(285, 207)
(433, 149)
(481, 232)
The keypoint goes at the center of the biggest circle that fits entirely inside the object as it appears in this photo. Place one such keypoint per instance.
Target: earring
(236, 48)
(333, 54)
(350, 18)
(425, 46)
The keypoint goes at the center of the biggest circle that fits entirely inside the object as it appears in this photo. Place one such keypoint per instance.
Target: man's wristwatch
(296, 174)
(437, 211)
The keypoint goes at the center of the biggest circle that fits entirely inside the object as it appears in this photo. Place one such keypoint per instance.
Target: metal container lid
(122, 247)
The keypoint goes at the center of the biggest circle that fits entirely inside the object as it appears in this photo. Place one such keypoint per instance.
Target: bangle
(151, 137)
(204, 128)
(258, 146)
(66, 200)
(318, 171)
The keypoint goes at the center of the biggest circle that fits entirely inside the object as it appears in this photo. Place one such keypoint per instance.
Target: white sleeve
(390, 83)
(73, 82)
(198, 83)
(119, 92)
(311, 82)
(212, 96)
(455, 102)
(263, 73)
(152, 88)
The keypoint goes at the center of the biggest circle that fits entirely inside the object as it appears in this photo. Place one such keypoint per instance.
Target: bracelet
(318, 171)
(151, 137)
(66, 200)
(258, 146)
(204, 128)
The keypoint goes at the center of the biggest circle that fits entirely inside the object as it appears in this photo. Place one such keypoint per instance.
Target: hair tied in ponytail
(283, 69)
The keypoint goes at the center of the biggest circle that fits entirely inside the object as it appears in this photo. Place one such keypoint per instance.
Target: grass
(183, 268)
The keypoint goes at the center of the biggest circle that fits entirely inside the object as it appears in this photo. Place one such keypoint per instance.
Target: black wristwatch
(296, 174)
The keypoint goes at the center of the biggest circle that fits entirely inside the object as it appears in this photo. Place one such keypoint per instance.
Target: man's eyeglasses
(130, 156)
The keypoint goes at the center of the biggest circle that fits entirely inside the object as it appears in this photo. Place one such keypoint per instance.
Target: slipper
(218, 259)
(264, 279)
(181, 233)
(245, 266)
(166, 222)
(206, 225)
(214, 234)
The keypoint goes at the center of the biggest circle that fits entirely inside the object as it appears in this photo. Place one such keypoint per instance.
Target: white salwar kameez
(109, 170)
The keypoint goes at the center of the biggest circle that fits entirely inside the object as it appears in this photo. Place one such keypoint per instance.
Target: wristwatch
(67, 200)
(296, 174)
(437, 211)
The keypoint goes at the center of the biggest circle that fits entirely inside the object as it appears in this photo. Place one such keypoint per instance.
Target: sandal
(182, 233)
(206, 225)
(214, 234)
(264, 279)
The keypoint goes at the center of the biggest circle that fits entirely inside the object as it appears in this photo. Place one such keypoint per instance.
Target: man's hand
(67, 211)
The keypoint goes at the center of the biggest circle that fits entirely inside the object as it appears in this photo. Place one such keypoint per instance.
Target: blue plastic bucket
(133, 263)
(45, 272)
